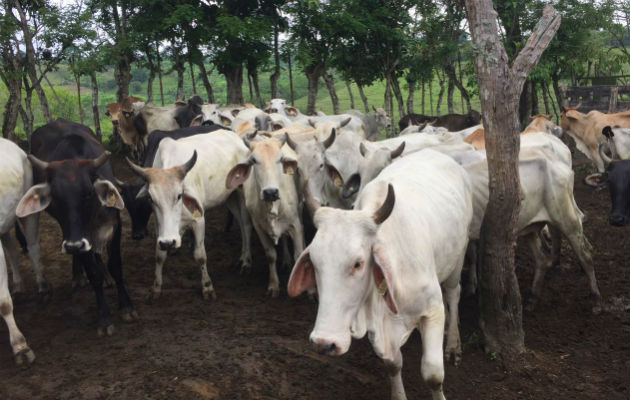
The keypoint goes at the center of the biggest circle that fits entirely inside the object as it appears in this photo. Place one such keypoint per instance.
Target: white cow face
(342, 262)
(370, 165)
(169, 199)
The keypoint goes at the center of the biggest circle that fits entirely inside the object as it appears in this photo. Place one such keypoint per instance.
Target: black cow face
(618, 176)
(73, 195)
(139, 209)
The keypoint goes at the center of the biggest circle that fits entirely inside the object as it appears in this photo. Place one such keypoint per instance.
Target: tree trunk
(388, 98)
(350, 94)
(257, 89)
(423, 97)
(461, 81)
(449, 96)
(97, 123)
(313, 72)
(500, 87)
(543, 87)
(251, 89)
(122, 75)
(180, 68)
(399, 98)
(273, 79)
(364, 99)
(10, 115)
(450, 71)
(431, 96)
(291, 80)
(555, 81)
(30, 62)
(206, 81)
(330, 84)
(535, 110)
(525, 104)
(192, 74)
(440, 96)
(234, 80)
(159, 71)
(150, 85)
(27, 112)
(412, 90)
(78, 81)
(556, 111)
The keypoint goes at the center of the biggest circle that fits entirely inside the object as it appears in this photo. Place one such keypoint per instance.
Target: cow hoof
(153, 296)
(24, 357)
(129, 315)
(454, 356)
(273, 292)
(106, 331)
(209, 295)
(45, 294)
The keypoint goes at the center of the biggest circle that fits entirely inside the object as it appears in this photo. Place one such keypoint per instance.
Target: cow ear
(235, 112)
(292, 111)
(289, 165)
(36, 199)
(192, 204)
(237, 175)
(334, 175)
(303, 275)
(381, 272)
(225, 120)
(108, 194)
(197, 120)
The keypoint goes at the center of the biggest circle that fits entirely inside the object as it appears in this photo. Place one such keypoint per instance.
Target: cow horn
(190, 163)
(290, 141)
(312, 204)
(37, 163)
(311, 123)
(282, 140)
(137, 169)
(362, 149)
(345, 122)
(398, 151)
(102, 159)
(602, 154)
(331, 139)
(386, 209)
(249, 137)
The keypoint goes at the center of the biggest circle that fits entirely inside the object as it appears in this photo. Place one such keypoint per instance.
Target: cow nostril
(270, 194)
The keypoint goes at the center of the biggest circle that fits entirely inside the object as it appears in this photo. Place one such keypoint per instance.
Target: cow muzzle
(270, 194)
(617, 220)
(326, 347)
(139, 234)
(77, 246)
(167, 244)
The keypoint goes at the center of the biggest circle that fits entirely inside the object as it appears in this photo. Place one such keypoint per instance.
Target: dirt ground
(247, 346)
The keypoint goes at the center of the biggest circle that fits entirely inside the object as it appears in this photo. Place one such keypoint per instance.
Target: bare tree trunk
(150, 86)
(78, 81)
(291, 79)
(330, 84)
(423, 97)
(206, 81)
(431, 96)
(461, 81)
(251, 89)
(313, 72)
(440, 95)
(501, 85)
(412, 90)
(398, 96)
(257, 89)
(273, 79)
(543, 87)
(525, 104)
(450, 71)
(350, 94)
(30, 61)
(192, 74)
(535, 110)
(180, 68)
(364, 99)
(159, 70)
(234, 80)
(449, 96)
(10, 115)
(97, 123)
(27, 112)
(388, 98)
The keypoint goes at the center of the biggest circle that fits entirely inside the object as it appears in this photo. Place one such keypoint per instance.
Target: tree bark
(234, 80)
(150, 81)
(206, 81)
(273, 79)
(97, 123)
(313, 72)
(423, 97)
(525, 104)
(449, 96)
(450, 71)
(500, 87)
(364, 99)
(350, 94)
(431, 96)
(292, 94)
(78, 81)
(412, 90)
(30, 62)
(159, 70)
(251, 89)
(192, 74)
(330, 84)
(254, 75)
(543, 87)
(11, 76)
(180, 68)
(399, 98)
(440, 95)
(122, 70)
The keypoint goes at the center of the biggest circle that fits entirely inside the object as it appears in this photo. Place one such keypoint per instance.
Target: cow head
(189, 113)
(474, 117)
(347, 263)
(267, 163)
(139, 208)
(73, 194)
(276, 106)
(166, 190)
(383, 119)
(371, 164)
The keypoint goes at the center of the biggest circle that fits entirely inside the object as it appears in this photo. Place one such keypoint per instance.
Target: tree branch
(543, 33)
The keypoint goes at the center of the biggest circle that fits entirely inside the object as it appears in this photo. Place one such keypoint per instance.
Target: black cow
(452, 122)
(617, 176)
(75, 187)
(140, 209)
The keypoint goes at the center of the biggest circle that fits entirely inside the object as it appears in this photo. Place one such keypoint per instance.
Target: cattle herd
(395, 220)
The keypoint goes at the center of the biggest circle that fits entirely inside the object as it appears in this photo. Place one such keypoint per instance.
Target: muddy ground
(247, 346)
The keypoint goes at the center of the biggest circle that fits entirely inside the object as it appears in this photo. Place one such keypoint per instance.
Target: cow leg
(273, 288)
(31, 233)
(78, 278)
(236, 205)
(10, 248)
(556, 244)
(472, 261)
(95, 276)
(21, 352)
(160, 258)
(542, 262)
(199, 228)
(432, 364)
(452, 292)
(394, 368)
(114, 265)
(582, 248)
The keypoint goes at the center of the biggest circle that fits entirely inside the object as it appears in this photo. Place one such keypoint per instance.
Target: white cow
(16, 177)
(280, 106)
(325, 124)
(620, 137)
(187, 178)
(271, 197)
(21, 352)
(378, 268)
(245, 120)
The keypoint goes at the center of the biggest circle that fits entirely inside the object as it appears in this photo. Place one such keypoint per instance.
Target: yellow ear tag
(196, 214)
(290, 170)
(35, 196)
(338, 181)
(111, 200)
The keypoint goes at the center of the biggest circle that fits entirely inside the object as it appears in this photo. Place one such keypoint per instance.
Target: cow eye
(179, 197)
(321, 165)
(357, 265)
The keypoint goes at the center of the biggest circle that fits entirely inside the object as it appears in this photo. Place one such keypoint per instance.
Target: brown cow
(112, 110)
(539, 123)
(586, 130)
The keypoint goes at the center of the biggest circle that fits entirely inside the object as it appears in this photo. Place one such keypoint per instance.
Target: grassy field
(63, 99)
